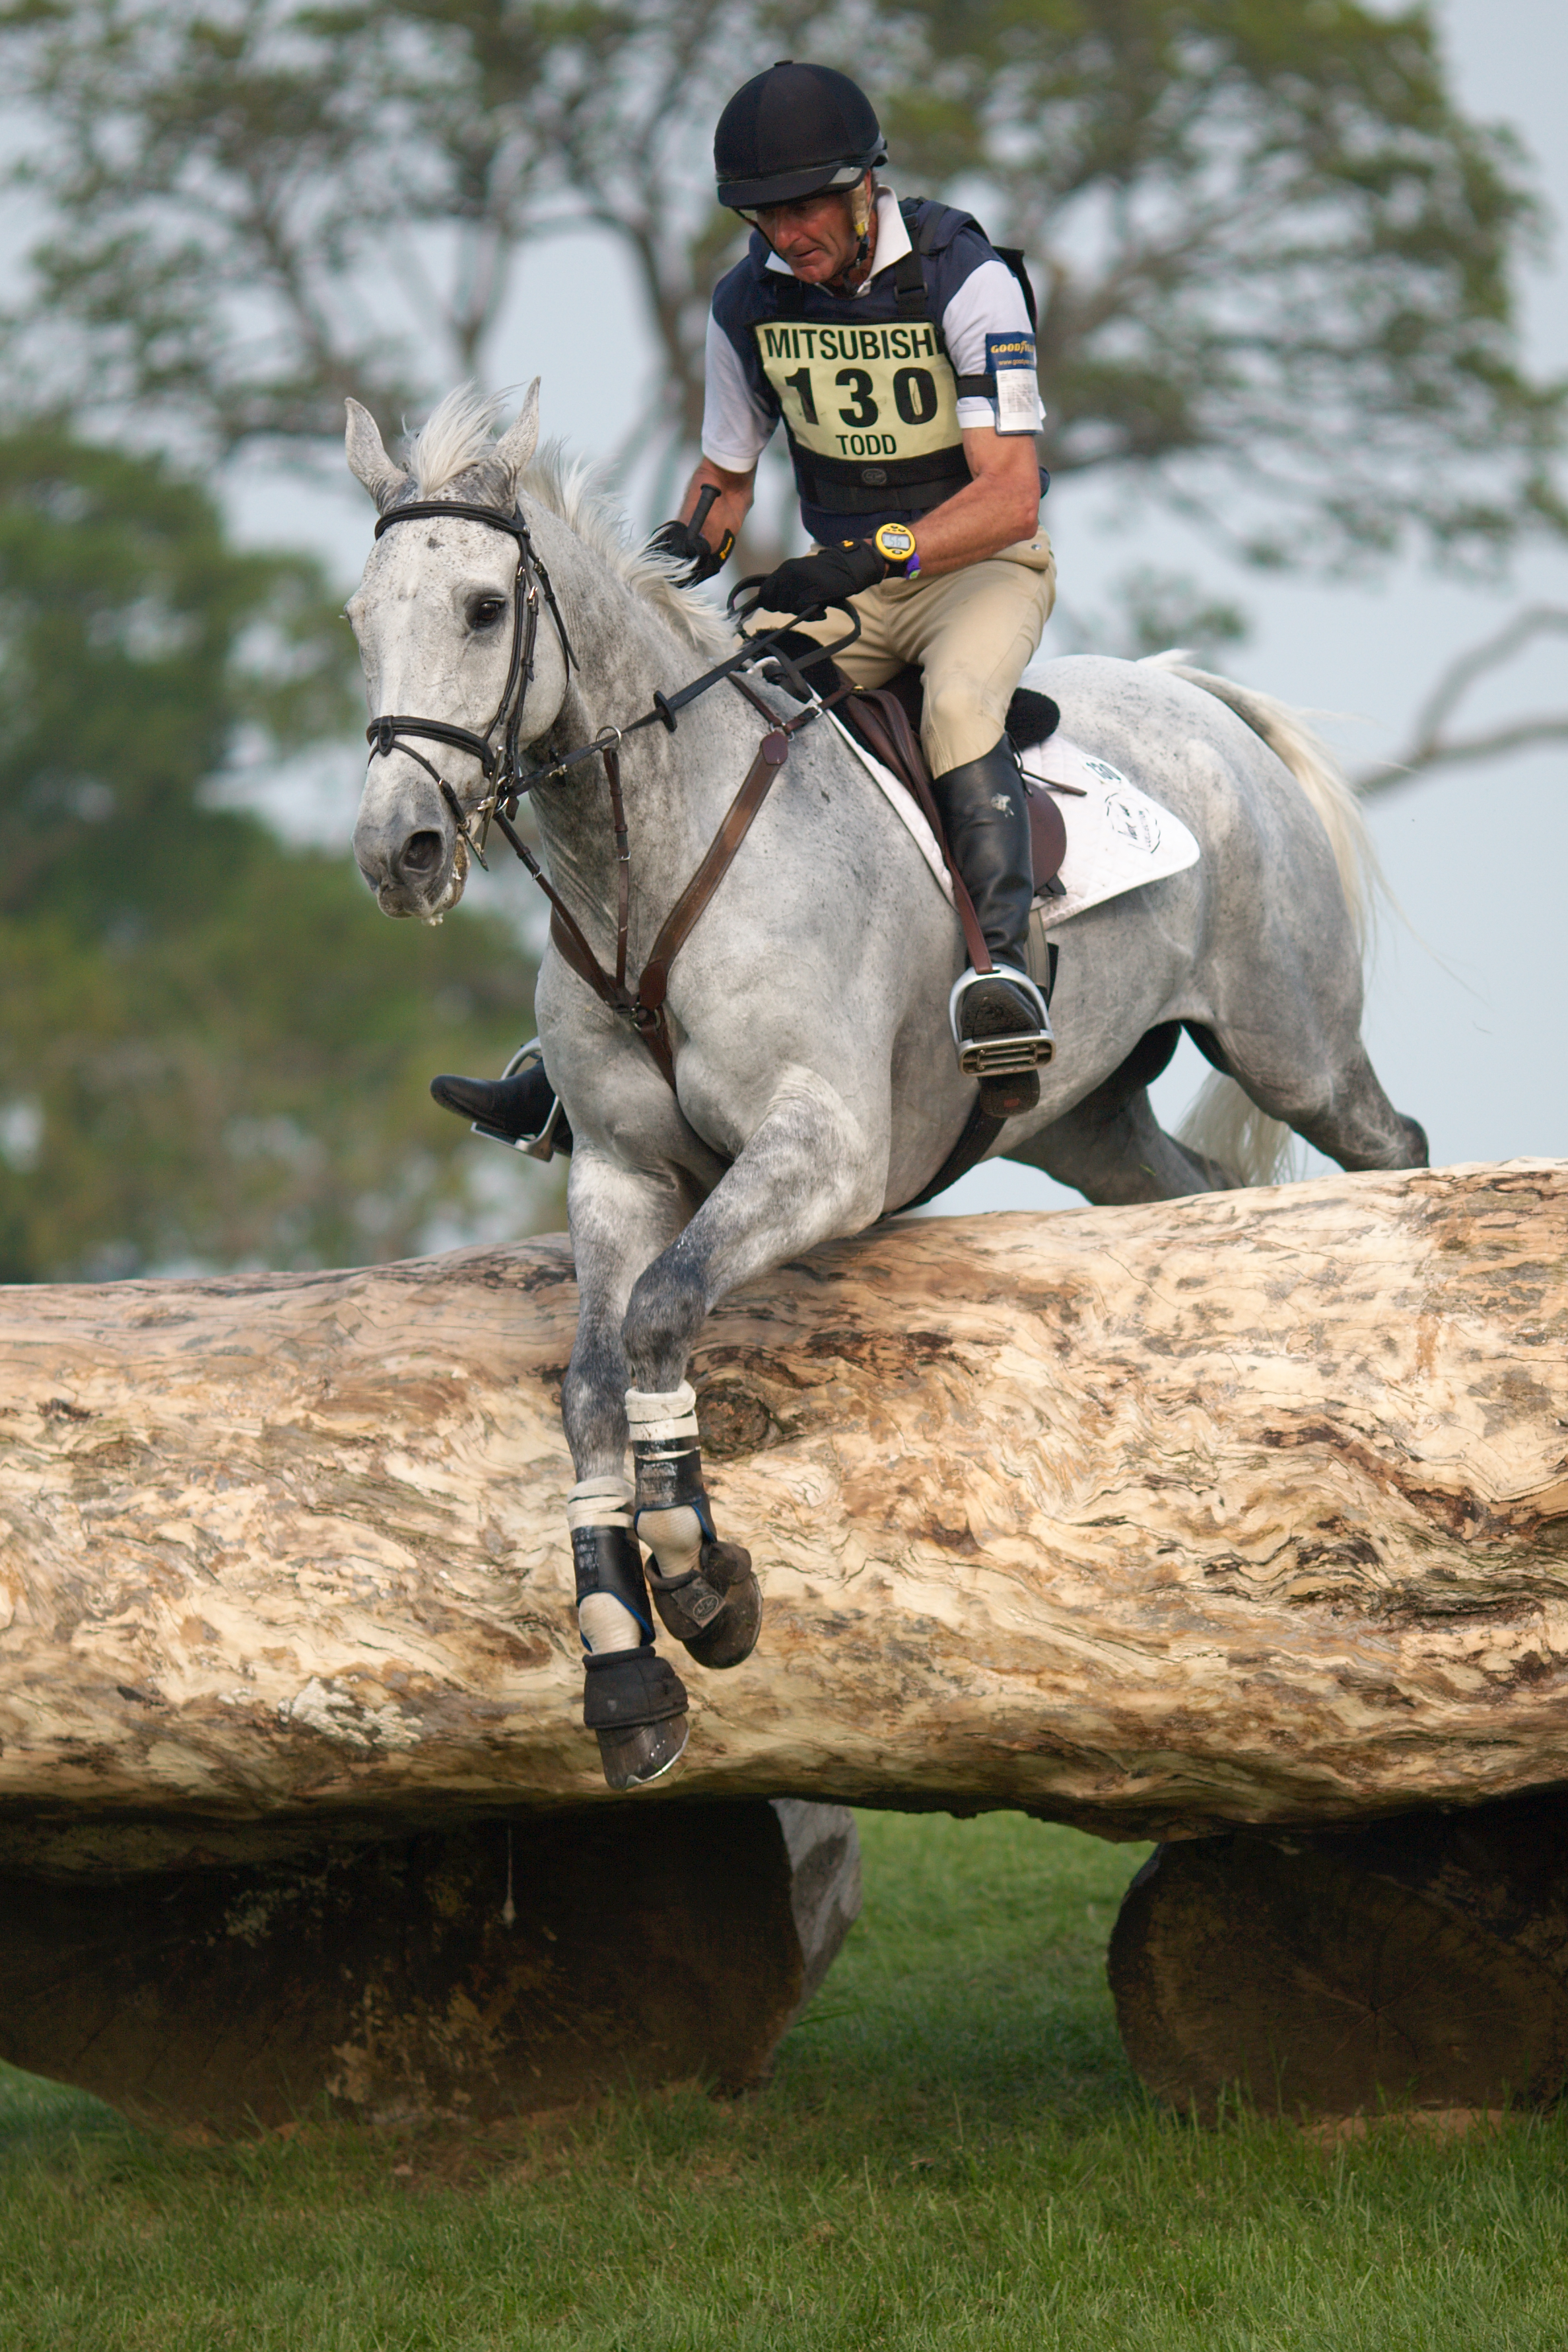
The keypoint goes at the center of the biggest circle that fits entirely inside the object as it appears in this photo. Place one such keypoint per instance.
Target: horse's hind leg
(1111, 1147)
(1329, 1094)
(1357, 1125)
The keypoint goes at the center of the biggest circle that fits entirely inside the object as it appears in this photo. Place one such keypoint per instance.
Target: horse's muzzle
(416, 870)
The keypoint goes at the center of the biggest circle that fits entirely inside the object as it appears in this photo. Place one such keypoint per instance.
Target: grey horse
(815, 1088)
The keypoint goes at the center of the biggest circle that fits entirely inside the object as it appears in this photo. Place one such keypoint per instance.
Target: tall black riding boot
(1000, 1024)
(518, 1108)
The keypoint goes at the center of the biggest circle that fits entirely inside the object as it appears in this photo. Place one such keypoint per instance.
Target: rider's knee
(958, 724)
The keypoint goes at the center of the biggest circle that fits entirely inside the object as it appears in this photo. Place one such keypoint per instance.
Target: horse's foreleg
(704, 1590)
(632, 1699)
(806, 1175)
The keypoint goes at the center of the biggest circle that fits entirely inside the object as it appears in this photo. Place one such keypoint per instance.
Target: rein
(645, 1006)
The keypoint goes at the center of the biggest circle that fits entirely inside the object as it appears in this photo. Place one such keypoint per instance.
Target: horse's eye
(485, 610)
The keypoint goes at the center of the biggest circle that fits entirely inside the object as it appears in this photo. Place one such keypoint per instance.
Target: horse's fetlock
(676, 1541)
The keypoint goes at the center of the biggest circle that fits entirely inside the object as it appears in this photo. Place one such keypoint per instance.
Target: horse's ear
(368, 459)
(516, 444)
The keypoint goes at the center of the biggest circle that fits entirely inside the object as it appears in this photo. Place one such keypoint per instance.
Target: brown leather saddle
(886, 719)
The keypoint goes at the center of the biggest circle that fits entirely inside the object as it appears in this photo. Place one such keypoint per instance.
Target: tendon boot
(520, 1109)
(632, 1700)
(705, 1591)
(999, 1020)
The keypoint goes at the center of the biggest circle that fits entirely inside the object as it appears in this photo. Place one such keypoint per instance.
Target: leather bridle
(643, 1006)
(500, 770)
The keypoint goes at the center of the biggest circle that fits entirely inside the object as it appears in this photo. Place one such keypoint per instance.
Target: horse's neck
(676, 788)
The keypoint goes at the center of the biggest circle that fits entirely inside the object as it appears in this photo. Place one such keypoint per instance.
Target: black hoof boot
(635, 1703)
(715, 1611)
(519, 1110)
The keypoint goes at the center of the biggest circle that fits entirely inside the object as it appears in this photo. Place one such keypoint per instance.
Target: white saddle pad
(1117, 837)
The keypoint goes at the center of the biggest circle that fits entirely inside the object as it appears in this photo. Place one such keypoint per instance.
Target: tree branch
(1431, 747)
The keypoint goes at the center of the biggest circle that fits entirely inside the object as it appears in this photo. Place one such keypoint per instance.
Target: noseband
(500, 768)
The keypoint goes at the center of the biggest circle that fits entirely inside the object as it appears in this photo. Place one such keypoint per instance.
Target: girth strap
(645, 1010)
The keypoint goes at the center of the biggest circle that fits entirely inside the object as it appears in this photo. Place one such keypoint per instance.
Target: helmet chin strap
(860, 215)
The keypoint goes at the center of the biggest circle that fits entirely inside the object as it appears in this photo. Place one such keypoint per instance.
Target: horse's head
(441, 614)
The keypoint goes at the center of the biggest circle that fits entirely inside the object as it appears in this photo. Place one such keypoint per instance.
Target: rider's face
(815, 235)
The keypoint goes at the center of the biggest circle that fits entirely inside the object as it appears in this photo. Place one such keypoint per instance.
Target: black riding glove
(678, 539)
(827, 577)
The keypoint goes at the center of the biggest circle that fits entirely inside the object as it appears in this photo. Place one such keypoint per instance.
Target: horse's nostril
(422, 853)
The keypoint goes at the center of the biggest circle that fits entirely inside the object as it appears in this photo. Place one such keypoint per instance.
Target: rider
(896, 348)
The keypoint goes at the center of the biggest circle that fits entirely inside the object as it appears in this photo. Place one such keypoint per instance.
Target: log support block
(458, 1975)
(1421, 1963)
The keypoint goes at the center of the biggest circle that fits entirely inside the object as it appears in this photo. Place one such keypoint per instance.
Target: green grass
(950, 2154)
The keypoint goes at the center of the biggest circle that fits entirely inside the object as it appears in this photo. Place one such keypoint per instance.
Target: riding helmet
(793, 131)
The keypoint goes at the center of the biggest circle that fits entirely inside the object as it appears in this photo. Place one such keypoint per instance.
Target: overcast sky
(1466, 997)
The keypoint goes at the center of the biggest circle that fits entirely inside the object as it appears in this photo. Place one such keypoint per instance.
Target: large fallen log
(1245, 1509)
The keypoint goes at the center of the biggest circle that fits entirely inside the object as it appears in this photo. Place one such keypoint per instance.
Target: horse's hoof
(633, 1758)
(716, 1609)
(731, 1637)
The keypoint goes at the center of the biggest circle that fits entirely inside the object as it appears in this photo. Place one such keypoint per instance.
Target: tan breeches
(973, 633)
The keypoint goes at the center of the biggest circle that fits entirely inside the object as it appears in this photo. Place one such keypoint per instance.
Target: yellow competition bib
(863, 392)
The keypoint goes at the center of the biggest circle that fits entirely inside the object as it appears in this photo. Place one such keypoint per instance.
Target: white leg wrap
(663, 1416)
(600, 1503)
(605, 1623)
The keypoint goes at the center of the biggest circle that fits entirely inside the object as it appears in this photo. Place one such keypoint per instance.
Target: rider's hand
(678, 539)
(826, 577)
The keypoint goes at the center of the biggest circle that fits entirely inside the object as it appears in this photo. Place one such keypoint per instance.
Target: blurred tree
(214, 1049)
(1275, 257)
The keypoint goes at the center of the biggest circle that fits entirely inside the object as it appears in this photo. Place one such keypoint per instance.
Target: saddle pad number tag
(1011, 359)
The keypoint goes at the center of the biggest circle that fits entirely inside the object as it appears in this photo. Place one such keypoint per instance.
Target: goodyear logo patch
(1009, 352)
(1011, 359)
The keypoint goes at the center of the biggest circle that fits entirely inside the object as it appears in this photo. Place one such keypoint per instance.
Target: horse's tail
(1223, 1123)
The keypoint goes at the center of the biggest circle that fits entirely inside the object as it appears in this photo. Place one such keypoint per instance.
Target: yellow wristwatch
(895, 542)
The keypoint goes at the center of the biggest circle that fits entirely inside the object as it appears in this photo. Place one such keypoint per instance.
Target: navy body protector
(914, 485)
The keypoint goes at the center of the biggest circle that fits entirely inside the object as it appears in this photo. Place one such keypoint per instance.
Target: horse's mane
(453, 450)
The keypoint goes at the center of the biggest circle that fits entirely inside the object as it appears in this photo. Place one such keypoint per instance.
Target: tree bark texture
(1251, 1508)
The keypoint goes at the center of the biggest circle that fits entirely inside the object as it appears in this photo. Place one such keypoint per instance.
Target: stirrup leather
(1014, 1050)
